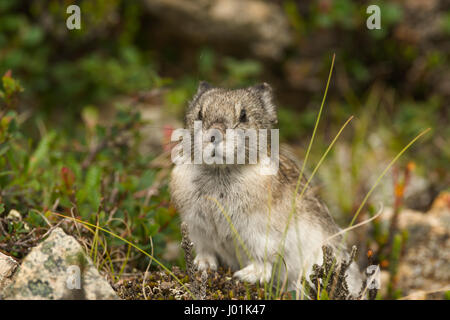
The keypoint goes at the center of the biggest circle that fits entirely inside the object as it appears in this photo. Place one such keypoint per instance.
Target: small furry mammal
(254, 206)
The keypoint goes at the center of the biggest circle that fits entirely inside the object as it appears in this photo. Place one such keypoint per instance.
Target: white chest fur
(229, 217)
(222, 209)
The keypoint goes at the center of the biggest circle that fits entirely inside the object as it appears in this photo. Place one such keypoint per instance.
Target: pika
(245, 220)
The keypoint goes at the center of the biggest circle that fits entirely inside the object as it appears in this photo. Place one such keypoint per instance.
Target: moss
(220, 286)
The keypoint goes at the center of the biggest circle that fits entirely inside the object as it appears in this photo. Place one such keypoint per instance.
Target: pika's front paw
(205, 261)
(254, 273)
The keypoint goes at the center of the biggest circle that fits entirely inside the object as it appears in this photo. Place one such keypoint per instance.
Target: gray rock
(425, 266)
(7, 268)
(259, 25)
(58, 268)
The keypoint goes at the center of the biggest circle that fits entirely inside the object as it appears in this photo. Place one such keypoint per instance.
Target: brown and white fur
(243, 227)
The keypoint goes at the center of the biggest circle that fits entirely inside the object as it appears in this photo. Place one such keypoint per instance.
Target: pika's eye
(243, 116)
(200, 117)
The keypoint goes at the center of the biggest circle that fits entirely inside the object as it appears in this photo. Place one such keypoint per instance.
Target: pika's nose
(218, 126)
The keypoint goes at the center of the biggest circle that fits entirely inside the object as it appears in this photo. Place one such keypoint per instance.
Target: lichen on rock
(47, 272)
(8, 267)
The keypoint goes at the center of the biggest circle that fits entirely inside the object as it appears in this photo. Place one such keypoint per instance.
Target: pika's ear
(203, 86)
(265, 93)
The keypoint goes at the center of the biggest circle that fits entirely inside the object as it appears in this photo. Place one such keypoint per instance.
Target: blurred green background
(93, 87)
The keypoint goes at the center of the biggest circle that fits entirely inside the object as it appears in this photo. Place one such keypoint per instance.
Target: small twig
(73, 216)
(51, 229)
